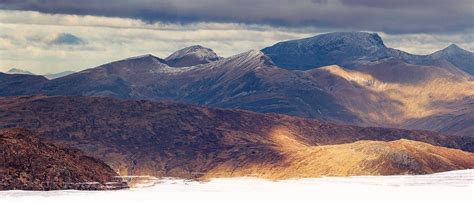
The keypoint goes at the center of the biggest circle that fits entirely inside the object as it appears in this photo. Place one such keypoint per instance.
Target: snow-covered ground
(450, 187)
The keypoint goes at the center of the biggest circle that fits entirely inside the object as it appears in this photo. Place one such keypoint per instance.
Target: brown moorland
(188, 141)
(27, 163)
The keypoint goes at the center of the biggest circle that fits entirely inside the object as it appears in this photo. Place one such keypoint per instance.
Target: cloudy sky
(51, 35)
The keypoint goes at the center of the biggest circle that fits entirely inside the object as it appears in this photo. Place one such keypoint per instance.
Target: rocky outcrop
(27, 163)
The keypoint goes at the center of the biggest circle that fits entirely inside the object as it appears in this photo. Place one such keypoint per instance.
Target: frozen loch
(454, 186)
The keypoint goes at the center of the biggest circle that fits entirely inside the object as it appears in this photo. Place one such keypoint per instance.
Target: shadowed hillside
(30, 164)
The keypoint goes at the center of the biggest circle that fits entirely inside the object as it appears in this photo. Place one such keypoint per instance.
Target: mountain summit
(336, 48)
(457, 56)
(190, 56)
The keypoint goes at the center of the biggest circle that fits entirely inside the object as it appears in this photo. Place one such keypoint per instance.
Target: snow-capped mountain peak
(190, 56)
(327, 49)
(452, 49)
(359, 39)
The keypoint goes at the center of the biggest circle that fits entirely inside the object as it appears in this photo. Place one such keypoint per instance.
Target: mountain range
(334, 104)
(373, 90)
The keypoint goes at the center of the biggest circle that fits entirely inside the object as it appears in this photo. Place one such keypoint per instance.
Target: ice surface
(450, 187)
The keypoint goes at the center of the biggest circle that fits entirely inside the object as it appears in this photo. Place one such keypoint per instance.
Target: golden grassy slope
(358, 158)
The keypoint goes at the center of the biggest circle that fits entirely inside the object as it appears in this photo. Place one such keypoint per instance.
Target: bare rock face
(30, 164)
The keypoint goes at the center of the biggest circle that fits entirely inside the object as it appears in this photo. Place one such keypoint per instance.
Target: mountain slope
(114, 79)
(457, 120)
(393, 93)
(169, 139)
(30, 164)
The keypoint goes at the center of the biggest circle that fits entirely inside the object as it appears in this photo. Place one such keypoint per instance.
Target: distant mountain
(190, 56)
(167, 139)
(31, 164)
(349, 49)
(19, 71)
(114, 79)
(58, 75)
(48, 75)
(21, 84)
(457, 56)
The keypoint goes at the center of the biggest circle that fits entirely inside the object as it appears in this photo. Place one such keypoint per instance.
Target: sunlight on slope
(406, 101)
(359, 158)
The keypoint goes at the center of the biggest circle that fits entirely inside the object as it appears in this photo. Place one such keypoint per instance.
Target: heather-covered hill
(180, 140)
(27, 163)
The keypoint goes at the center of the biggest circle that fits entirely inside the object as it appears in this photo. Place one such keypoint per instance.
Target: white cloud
(25, 42)
(26, 36)
(428, 43)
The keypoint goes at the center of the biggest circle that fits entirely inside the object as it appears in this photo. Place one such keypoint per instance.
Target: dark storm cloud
(67, 39)
(391, 16)
(409, 3)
